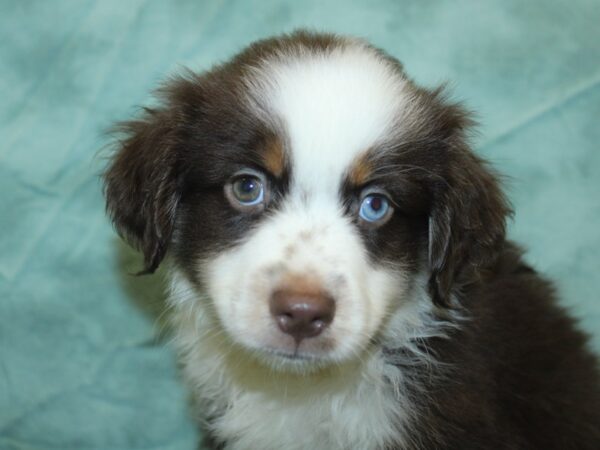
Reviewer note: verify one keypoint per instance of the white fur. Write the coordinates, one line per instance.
(312, 240)
(331, 106)
(361, 404)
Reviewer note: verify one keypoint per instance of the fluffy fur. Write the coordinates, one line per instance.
(442, 338)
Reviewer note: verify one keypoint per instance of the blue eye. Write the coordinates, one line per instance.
(248, 190)
(374, 208)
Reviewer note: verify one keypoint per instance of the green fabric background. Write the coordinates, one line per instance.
(81, 366)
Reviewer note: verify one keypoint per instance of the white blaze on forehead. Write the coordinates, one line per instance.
(333, 105)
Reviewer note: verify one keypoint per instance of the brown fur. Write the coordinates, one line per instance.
(273, 155)
(361, 170)
(518, 374)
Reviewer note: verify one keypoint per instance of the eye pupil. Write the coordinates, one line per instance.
(247, 185)
(247, 190)
(376, 203)
(374, 208)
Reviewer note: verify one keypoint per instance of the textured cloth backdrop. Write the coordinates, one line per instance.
(82, 364)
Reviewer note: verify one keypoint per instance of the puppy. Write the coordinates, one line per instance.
(339, 272)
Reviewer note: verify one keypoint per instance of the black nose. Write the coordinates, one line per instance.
(302, 313)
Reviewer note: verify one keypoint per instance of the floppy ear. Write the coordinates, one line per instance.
(140, 184)
(468, 216)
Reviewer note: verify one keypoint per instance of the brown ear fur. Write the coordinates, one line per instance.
(467, 222)
(140, 185)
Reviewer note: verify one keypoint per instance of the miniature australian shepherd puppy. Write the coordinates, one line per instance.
(339, 272)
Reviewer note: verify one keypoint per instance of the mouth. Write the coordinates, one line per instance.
(292, 356)
(291, 359)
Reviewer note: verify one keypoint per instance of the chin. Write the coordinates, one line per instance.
(339, 271)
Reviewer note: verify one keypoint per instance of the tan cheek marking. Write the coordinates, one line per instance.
(273, 156)
(360, 171)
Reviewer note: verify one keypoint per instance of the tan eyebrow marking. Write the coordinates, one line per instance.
(360, 170)
(273, 155)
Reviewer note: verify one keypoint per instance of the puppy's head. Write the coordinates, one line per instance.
(302, 189)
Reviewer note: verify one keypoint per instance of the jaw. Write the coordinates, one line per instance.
(306, 359)
(211, 360)
(292, 363)
(221, 369)
(199, 329)
(238, 389)
(209, 351)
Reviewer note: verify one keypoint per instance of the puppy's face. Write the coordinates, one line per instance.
(301, 188)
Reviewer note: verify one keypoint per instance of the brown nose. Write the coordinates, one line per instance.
(302, 313)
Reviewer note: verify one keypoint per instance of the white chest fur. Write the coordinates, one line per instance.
(255, 408)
